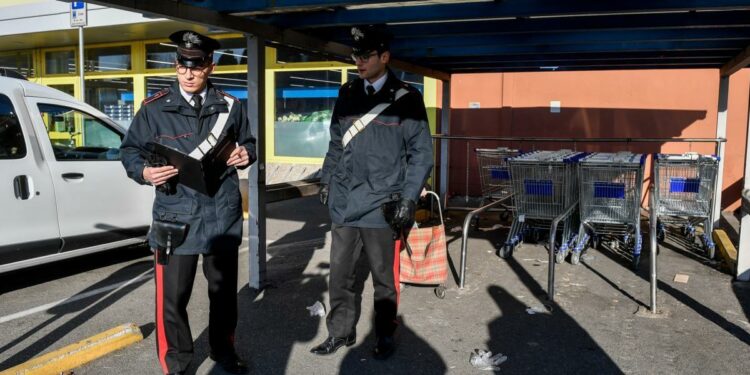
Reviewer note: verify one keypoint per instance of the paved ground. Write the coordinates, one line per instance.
(599, 323)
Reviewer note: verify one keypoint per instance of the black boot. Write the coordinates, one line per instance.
(384, 348)
(230, 362)
(332, 344)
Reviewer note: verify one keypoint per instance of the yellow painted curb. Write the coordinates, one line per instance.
(80, 353)
(726, 248)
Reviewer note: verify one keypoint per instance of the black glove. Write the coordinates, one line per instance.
(405, 213)
(323, 194)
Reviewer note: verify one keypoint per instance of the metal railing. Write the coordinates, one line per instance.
(552, 234)
(465, 236)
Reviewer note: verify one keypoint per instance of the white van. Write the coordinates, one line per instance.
(63, 190)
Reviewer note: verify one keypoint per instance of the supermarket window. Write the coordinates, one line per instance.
(415, 80)
(233, 51)
(113, 96)
(233, 84)
(286, 54)
(21, 62)
(12, 144)
(156, 84)
(160, 55)
(107, 59)
(76, 135)
(60, 62)
(304, 103)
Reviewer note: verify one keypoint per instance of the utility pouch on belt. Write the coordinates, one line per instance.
(168, 235)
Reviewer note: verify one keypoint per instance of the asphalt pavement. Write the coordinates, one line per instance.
(598, 324)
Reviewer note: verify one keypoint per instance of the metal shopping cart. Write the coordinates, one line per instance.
(494, 177)
(611, 185)
(545, 185)
(684, 192)
(494, 173)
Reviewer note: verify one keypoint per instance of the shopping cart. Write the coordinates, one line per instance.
(494, 173)
(610, 196)
(545, 185)
(684, 191)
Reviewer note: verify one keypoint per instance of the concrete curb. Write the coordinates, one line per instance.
(80, 353)
(726, 249)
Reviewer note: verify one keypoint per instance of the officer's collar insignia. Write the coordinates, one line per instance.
(190, 39)
(357, 34)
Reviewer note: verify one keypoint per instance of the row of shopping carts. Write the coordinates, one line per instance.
(608, 188)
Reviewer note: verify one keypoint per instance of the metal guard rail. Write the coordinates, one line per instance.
(465, 237)
(552, 234)
(577, 140)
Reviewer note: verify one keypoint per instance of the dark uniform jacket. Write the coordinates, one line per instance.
(214, 222)
(393, 154)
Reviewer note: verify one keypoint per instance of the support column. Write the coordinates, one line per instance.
(256, 63)
(721, 132)
(445, 119)
(743, 253)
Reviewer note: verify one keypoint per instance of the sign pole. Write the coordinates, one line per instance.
(80, 63)
(79, 19)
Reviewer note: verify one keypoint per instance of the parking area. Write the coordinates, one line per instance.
(599, 323)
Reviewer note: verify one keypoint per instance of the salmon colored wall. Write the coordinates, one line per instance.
(734, 153)
(606, 104)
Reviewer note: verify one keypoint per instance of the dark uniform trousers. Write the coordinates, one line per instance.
(347, 246)
(174, 284)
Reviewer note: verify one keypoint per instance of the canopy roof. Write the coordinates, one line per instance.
(440, 37)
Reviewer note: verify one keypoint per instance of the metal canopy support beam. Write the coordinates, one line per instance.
(497, 10)
(256, 86)
(743, 255)
(721, 132)
(445, 129)
(622, 47)
(738, 62)
(204, 16)
(737, 18)
(576, 37)
(276, 6)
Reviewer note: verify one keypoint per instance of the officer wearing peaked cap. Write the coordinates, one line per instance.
(386, 159)
(182, 117)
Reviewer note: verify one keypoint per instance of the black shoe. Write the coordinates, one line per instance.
(384, 348)
(230, 362)
(332, 344)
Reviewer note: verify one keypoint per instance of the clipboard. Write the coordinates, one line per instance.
(202, 175)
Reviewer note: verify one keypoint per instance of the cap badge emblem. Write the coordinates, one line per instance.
(357, 33)
(190, 38)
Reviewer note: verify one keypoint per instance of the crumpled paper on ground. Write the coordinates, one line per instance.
(317, 309)
(485, 361)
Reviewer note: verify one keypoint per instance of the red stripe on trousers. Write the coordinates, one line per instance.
(397, 271)
(161, 335)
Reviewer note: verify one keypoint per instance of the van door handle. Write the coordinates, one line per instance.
(21, 187)
(72, 176)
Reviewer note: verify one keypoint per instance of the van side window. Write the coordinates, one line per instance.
(12, 144)
(76, 135)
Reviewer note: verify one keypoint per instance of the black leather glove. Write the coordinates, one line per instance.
(323, 194)
(405, 212)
